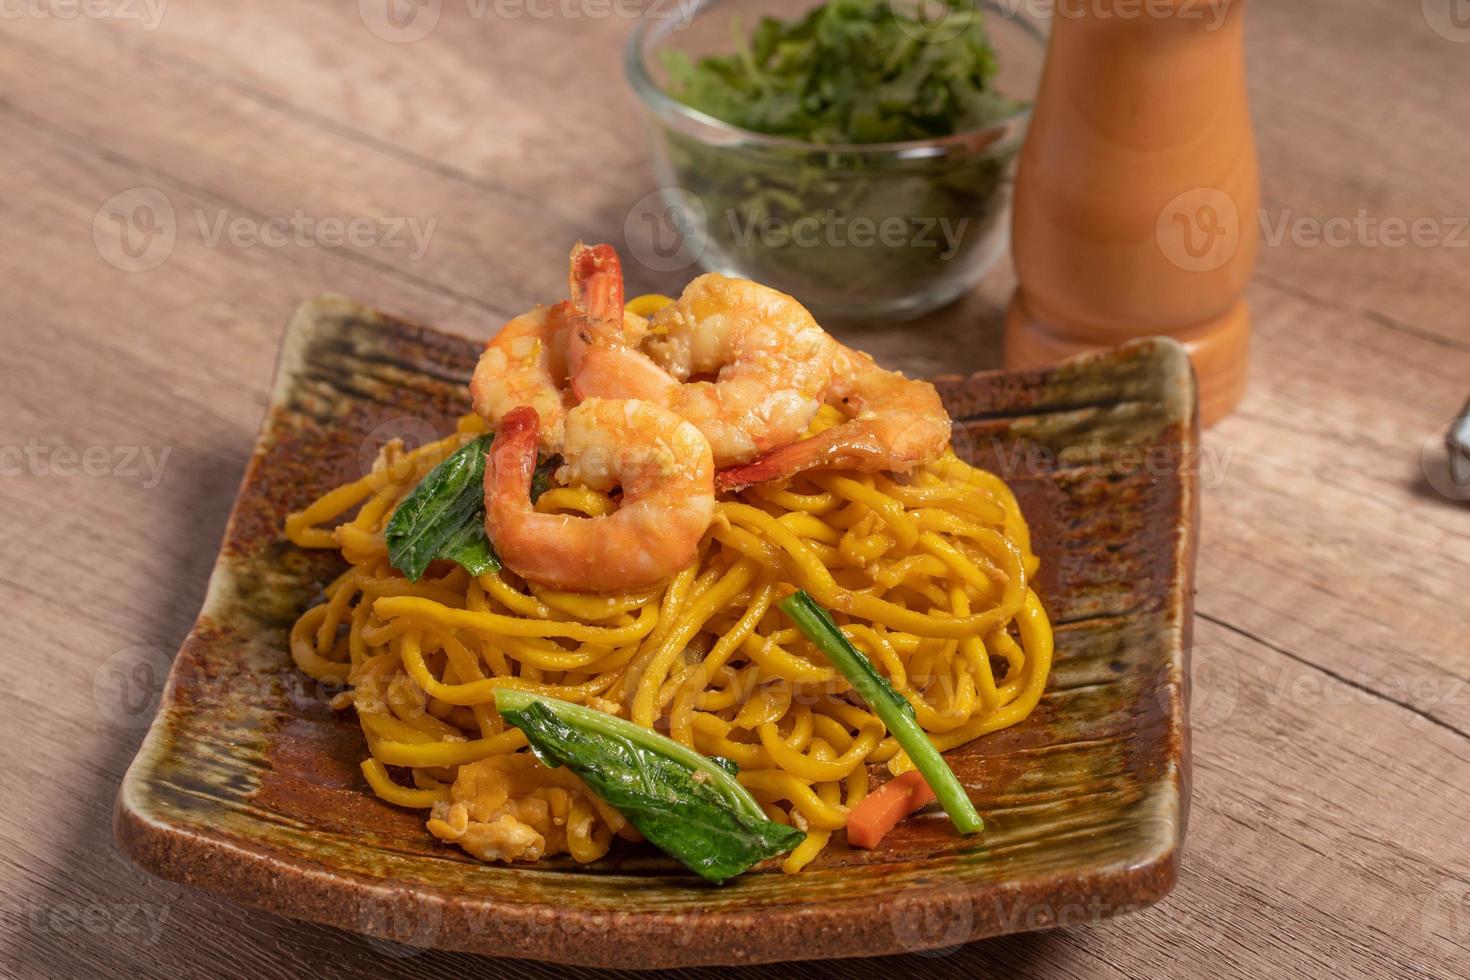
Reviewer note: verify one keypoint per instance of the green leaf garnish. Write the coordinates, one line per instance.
(894, 710)
(848, 72)
(686, 804)
(444, 517)
(851, 71)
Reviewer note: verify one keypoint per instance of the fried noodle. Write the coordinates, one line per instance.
(927, 574)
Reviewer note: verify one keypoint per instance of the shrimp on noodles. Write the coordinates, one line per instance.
(526, 364)
(767, 360)
(895, 423)
(660, 461)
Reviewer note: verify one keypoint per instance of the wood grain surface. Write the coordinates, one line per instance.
(1329, 832)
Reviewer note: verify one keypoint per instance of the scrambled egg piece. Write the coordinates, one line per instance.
(512, 808)
(502, 839)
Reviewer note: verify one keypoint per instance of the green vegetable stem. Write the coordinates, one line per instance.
(894, 710)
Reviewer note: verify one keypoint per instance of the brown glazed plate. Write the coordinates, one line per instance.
(247, 783)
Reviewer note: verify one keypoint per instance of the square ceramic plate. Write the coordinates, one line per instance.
(247, 783)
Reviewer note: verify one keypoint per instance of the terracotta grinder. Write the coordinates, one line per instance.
(1136, 198)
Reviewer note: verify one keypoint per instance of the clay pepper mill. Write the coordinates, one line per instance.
(1136, 193)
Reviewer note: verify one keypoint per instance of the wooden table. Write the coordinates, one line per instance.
(1332, 740)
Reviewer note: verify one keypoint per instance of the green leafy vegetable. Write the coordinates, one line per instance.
(688, 805)
(894, 710)
(851, 71)
(444, 517)
(848, 231)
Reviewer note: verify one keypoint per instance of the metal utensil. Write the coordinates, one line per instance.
(1457, 441)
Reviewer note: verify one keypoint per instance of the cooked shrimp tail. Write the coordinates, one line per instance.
(596, 281)
(664, 468)
(895, 423)
(602, 351)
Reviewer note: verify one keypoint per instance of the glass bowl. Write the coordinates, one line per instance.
(855, 231)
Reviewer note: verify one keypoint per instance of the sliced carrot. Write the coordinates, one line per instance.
(879, 813)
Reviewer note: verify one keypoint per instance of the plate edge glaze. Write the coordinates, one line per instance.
(291, 884)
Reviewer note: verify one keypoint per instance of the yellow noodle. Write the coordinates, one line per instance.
(928, 574)
(383, 784)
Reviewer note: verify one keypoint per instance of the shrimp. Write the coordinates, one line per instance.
(666, 473)
(770, 360)
(526, 364)
(895, 423)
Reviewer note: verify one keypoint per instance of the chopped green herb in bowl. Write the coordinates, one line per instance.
(856, 155)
